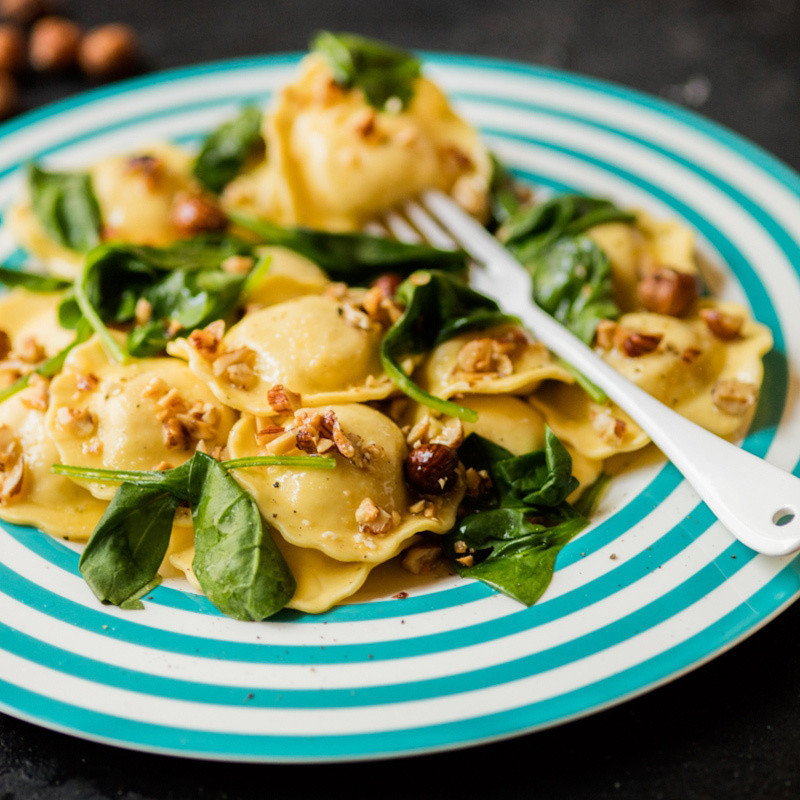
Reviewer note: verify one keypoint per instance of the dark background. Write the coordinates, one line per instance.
(730, 729)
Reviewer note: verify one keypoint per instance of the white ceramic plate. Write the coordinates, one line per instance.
(651, 590)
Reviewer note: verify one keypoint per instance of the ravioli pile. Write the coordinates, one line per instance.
(297, 367)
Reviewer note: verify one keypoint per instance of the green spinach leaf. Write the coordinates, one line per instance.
(121, 559)
(355, 258)
(66, 206)
(183, 283)
(437, 308)
(237, 563)
(225, 150)
(381, 71)
(514, 533)
(236, 560)
(32, 281)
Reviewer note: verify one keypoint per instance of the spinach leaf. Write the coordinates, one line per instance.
(572, 282)
(66, 206)
(571, 275)
(515, 532)
(32, 281)
(225, 150)
(504, 200)
(381, 71)
(437, 308)
(355, 258)
(236, 560)
(237, 563)
(121, 559)
(183, 282)
(533, 228)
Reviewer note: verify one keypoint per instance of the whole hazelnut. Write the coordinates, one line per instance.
(23, 11)
(109, 51)
(196, 213)
(9, 95)
(668, 291)
(431, 468)
(12, 48)
(53, 44)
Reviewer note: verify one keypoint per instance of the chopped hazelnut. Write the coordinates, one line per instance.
(734, 397)
(237, 265)
(283, 400)
(419, 559)
(12, 465)
(143, 312)
(637, 344)
(723, 325)
(5, 344)
(372, 519)
(77, 421)
(174, 434)
(206, 340)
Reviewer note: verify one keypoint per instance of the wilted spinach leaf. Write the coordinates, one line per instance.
(437, 308)
(237, 563)
(182, 282)
(225, 150)
(380, 70)
(122, 557)
(32, 281)
(515, 532)
(571, 275)
(66, 207)
(355, 258)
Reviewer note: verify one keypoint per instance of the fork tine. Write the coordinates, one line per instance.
(401, 229)
(431, 230)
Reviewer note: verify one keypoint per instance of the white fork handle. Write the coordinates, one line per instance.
(756, 501)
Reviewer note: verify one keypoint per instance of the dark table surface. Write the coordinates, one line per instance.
(730, 729)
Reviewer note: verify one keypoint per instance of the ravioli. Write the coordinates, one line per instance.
(496, 361)
(135, 193)
(322, 581)
(141, 415)
(305, 345)
(289, 276)
(686, 369)
(320, 509)
(636, 248)
(51, 502)
(33, 316)
(334, 161)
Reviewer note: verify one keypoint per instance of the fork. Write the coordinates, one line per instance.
(755, 500)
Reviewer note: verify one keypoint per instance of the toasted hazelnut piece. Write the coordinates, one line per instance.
(23, 12)
(419, 559)
(479, 483)
(109, 51)
(12, 465)
(667, 291)
(5, 344)
(196, 213)
(53, 44)
(174, 434)
(723, 325)
(237, 265)
(734, 397)
(637, 344)
(387, 284)
(282, 399)
(9, 95)
(207, 340)
(143, 312)
(372, 519)
(605, 334)
(12, 48)
(431, 468)
(76, 421)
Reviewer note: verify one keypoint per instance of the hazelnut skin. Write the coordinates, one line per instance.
(109, 51)
(431, 468)
(195, 213)
(12, 48)
(53, 44)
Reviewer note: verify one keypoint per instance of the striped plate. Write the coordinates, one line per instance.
(654, 588)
